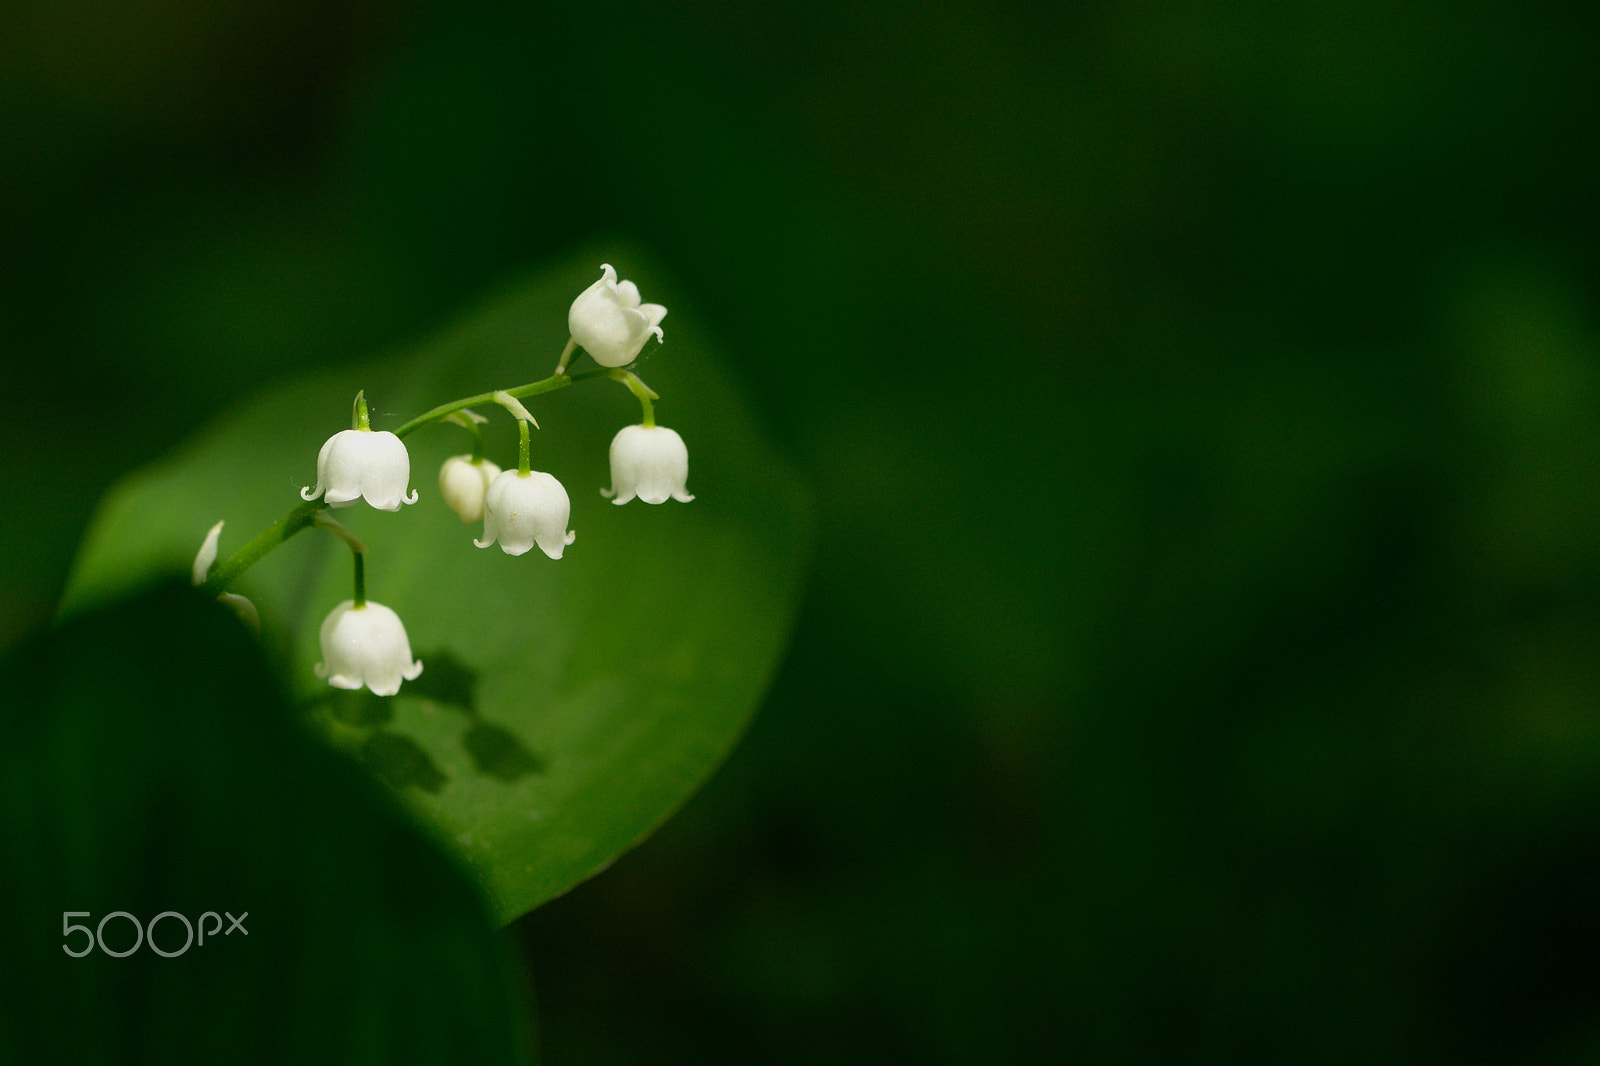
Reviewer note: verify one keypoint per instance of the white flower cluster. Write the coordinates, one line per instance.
(364, 643)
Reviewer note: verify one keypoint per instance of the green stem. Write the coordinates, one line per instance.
(360, 597)
(324, 520)
(566, 354)
(259, 545)
(358, 412)
(522, 449)
(469, 422)
(641, 392)
(537, 388)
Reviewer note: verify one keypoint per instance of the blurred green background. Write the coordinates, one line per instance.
(1200, 402)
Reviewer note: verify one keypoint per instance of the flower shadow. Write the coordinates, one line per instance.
(401, 761)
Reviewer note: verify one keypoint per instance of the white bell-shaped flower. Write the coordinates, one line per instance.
(363, 463)
(463, 481)
(610, 323)
(650, 462)
(366, 645)
(521, 510)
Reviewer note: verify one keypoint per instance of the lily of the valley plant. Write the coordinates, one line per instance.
(364, 643)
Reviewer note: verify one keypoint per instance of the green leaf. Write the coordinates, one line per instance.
(152, 772)
(566, 707)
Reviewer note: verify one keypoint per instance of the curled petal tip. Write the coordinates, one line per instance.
(308, 495)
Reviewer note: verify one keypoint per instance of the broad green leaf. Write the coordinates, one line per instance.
(145, 787)
(565, 707)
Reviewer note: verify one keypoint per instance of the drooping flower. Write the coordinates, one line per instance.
(363, 463)
(650, 462)
(366, 645)
(463, 481)
(236, 603)
(610, 323)
(521, 510)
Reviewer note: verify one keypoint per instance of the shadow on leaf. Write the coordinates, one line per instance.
(359, 709)
(497, 752)
(401, 761)
(446, 680)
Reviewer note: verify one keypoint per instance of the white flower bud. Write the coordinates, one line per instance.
(610, 323)
(366, 645)
(463, 482)
(243, 608)
(520, 510)
(650, 462)
(363, 463)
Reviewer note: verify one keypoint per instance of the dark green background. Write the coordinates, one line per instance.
(1202, 407)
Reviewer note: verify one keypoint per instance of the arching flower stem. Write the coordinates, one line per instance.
(536, 388)
(324, 520)
(304, 515)
(641, 392)
(469, 420)
(566, 354)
